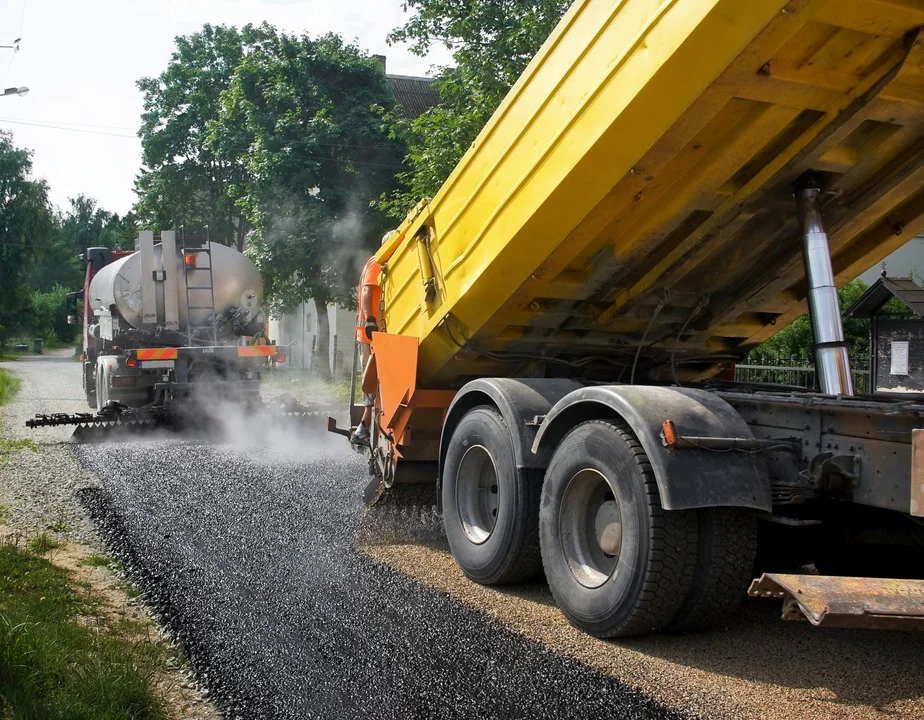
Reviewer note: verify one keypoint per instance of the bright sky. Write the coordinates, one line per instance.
(81, 58)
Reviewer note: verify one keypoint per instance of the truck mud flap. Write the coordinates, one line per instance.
(847, 602)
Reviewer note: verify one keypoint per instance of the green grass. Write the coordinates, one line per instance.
(9, 386)
(297, 381)
(9, 446)
(96, 560)
(8, 354)
(42, 543)
(59, 526)
(53, 667)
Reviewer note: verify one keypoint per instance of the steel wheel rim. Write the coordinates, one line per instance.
(477, 494)
(590, 528)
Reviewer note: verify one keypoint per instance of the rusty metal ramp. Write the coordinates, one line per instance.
(852, 602)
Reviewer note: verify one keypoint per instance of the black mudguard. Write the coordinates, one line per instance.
(687, 478)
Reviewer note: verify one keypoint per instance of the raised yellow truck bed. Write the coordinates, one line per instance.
(636, 187)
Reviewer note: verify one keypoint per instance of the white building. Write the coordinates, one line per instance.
(299, 330)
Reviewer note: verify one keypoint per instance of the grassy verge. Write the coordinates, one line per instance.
(54, 661)
(7, 352)
(302, 383)
(9, 386)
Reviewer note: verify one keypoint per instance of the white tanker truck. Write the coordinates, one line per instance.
(167, 326)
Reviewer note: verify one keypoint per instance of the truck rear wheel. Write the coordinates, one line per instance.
(727, 548)
(490, 510)
(616, 562)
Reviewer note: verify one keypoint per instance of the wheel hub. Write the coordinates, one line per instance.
(477, 494)
(608, 528)
(590, 528)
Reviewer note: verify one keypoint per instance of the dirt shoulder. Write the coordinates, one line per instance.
(755, 666)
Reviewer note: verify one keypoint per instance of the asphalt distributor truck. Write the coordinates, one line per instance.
(168, 329)
(666, 186)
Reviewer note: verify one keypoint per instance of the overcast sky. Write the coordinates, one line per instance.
(81, 58)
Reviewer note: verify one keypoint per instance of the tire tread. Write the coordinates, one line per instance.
(674, 535)
(725, 562)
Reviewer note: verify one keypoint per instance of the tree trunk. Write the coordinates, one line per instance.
(323, 359)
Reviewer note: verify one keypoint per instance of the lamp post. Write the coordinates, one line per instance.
(22, 90)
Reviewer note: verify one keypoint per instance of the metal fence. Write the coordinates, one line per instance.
(797, 372)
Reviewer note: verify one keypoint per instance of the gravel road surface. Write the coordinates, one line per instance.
(38, 489)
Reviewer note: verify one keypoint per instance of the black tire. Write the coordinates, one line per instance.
(508, 550)
(652, 568)
(727, 547)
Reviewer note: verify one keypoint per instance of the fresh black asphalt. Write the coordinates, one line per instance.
(248, 556)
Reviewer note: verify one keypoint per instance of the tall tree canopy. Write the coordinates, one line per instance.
(185, 182)
(319, 153)
(84, 224)
(318, 150)
(492, 43)
(26, 225)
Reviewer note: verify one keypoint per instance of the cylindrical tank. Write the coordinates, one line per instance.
(235, 279)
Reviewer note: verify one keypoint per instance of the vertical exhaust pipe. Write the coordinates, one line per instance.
(832, 362)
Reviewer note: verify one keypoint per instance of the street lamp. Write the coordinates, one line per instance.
(22, 90)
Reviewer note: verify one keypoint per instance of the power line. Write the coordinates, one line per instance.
(66, 123)
(70, 129)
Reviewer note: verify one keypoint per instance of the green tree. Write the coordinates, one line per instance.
(26, 225)
(185, 181)
(319, 150)
(794, 343)
(47, 317)
(84, 224)
(492, 43)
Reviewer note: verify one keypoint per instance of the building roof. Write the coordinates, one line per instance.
(414, 95)
(883, 290)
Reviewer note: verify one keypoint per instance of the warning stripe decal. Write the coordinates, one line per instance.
(256, 351)
(157, 354)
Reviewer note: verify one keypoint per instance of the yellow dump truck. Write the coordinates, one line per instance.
(668, 184)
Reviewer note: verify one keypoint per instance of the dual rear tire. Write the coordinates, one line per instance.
(617, 563)
(490, 508)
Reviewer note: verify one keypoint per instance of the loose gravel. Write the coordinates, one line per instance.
(38, 488)
(39, 492)
(248, 555)
(755, 665)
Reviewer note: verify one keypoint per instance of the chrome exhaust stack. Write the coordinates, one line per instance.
(832, 362)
